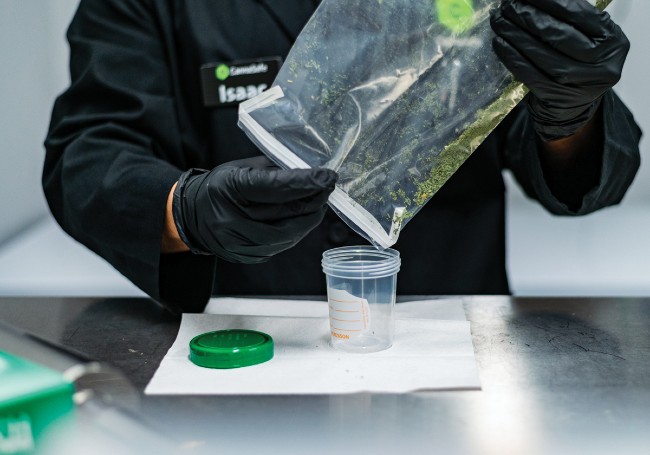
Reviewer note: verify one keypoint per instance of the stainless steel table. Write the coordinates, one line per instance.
(559, 375)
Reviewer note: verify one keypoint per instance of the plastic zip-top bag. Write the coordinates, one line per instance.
(394, 95)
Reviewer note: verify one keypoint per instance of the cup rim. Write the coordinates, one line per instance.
(388, 252)
(380, 262)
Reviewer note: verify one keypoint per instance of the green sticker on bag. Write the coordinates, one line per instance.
(456, 15)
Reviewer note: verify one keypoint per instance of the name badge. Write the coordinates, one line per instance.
(230, 83)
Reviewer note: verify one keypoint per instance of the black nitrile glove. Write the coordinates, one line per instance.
(566, 52)
(248, 210)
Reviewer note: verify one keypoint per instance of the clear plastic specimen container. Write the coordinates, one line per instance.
(361, 283)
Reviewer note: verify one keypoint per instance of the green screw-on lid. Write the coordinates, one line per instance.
(231, 348)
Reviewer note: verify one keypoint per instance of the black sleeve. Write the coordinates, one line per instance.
(620, 158)
(114, 150)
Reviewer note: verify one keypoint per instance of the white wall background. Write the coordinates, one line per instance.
(607, 253)
(33, 68)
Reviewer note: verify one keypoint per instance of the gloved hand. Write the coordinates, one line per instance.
(248, 210)
(566, 52)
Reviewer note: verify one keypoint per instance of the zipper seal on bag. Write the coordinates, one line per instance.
(363, 219)
(261, 136)
(262, 100)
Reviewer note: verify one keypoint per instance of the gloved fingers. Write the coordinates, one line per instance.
(558, 67)
(256, 162)
(517, 21)
(523, 70)
(579, 13)
(239, 242)
(545, 112)
(275, 212)
(255, 253)
(302, 225)
(278, 186)
(277, 236)
(246, 251)
(238, 258)
(539, 83)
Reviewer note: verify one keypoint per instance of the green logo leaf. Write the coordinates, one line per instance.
(456, 15)
(222, 72)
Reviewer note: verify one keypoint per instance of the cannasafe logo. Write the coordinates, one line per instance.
(229, 94)
(222, 72)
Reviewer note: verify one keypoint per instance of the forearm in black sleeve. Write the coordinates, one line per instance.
(114, 146)
(618, 161)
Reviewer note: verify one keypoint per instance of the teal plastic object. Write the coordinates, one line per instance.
(32, 398)
(231, 348)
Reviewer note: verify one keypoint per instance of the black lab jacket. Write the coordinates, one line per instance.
(133, 120)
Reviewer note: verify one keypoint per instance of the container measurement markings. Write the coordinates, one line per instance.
(349, 315)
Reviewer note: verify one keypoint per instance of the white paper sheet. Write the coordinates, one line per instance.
(427, 354)
(449, 309)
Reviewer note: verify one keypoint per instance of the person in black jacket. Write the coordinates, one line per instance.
(163, 185)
